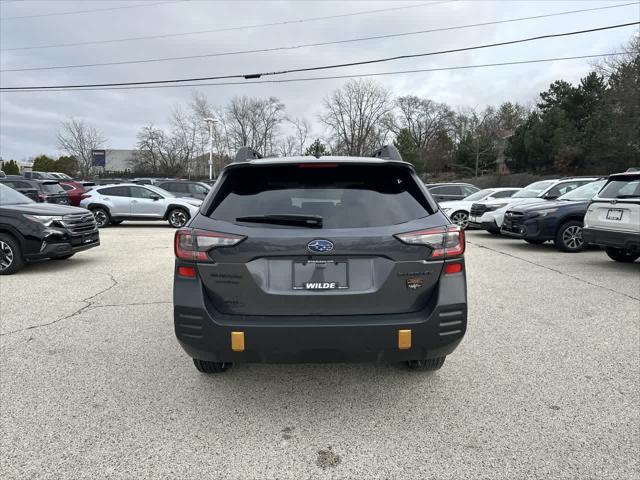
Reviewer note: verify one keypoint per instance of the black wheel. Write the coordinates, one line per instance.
(621, 255)
(64, 257)
(460, 218)
(178, 217)
(428, 364)
(534, 241)
(116, 222)
(211, 367)
(10, 255)
(569, 237)
(102, 217)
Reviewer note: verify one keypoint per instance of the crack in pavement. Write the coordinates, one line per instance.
(81, 310)
(554, 270)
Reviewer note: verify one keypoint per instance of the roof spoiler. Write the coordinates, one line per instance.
(246, 154)
(388, 152)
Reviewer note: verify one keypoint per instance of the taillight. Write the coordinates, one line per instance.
(192, 244)
(446, 242)
(84, 195)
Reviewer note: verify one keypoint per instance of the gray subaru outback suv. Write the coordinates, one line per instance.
(305, 259)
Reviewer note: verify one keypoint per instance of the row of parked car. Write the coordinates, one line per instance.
(570, 212)
(40, 218)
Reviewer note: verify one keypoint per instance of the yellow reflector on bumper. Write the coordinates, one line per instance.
(404, 339)
(237, 341)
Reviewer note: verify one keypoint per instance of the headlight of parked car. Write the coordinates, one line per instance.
(45, 220)
(544, 213)
(497, 206)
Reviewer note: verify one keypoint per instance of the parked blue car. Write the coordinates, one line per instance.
(560, 220)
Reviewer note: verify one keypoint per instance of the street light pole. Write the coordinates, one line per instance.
(210, 121)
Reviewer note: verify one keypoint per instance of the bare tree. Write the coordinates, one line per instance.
(354, 116)
(424, 120)
(78, 140)
(172, 152)
(288, 146)
(254, 122)
(302, 128)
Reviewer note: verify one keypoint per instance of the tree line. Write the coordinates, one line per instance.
(592, 127)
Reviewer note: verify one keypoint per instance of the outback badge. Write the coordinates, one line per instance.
(414, 283)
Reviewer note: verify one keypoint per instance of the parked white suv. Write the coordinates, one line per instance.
(489, 215)
(111, 204)
(613, 217)
(458, 210)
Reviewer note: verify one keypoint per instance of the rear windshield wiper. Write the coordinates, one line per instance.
(311, 221)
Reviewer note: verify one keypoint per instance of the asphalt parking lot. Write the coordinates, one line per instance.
(546, 382)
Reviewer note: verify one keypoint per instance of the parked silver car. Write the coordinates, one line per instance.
(111, 204)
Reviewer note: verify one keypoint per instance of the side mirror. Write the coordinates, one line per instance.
(551, 196)
(155, 197)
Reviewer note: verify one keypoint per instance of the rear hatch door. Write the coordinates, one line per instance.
(350, 264)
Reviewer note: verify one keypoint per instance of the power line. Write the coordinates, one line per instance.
(333, 77)
(317, 44)
(56, 14)
(230, 29)
(251, 76)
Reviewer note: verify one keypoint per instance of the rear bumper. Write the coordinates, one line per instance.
(607, 238)
(435, 331)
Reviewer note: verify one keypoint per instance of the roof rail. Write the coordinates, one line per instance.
(246, 154)
(389, 152)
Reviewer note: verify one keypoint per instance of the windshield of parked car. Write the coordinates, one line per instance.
(479, 195)
(340, 196)
(9, 196)
(621, 189)
(533, 190)
(585, 192)
(160, 191)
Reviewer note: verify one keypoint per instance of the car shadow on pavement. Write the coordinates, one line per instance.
(57, 266)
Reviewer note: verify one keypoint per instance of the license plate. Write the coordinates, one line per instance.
(320, 275)
(614, 214)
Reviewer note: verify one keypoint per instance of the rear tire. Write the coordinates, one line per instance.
(178, 217)
(621, 255)
(116, 222)
(102, 217)
(11, 259)
(428, 364)
(534, 241)
(569, 237)
(204, 366)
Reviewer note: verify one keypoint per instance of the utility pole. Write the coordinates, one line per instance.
(210, 121)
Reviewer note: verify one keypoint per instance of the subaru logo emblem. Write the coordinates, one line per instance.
(320, 246)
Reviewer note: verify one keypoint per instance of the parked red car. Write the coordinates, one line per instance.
(74, 190)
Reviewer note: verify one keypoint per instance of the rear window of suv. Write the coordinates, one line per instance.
(621, 189)
(345, 196)
(52, 187)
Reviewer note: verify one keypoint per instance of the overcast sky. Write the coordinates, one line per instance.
(28, 121)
